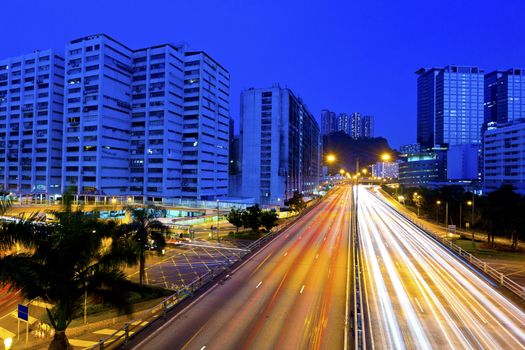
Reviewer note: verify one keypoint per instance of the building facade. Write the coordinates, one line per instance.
(157, 122)
(504, 156)
(449, 106)
(206, 127)
(422, 168)
(386, 170)
(97, 116)
(280, 146)
(361, 126)
(344, 123)
(31, 119)
(463, 163)
(152, 122)
(328, 122)
(410, 148)
(504, 95)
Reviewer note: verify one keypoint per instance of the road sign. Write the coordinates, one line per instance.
(23, 312)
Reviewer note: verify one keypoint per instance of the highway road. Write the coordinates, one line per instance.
(421, 296)
(291, 295)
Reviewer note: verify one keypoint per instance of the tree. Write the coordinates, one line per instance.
(502, 214)
(144, 232)
(234, 217)
(64, 262)
(296, 203)
(251, 218)
(269, 219)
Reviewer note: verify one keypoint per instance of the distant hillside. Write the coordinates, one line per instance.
(347, 150)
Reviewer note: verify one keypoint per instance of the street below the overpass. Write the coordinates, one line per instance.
(292, 294)
(419, 295)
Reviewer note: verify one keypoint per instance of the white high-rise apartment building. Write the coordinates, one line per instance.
(157, 121)
(504, 156)
(31, 114)
(206, 127)
(97, 116)
(110, 120)
(280, 146)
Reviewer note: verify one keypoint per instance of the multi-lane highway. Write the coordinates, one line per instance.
(291, 295)
(421, 296)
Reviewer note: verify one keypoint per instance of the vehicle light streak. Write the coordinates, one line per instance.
(406, 270)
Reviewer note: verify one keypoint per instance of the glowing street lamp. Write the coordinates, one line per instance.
(385, 157)
(364, 171)
(330, 158)
(7, 343)
(342, 171)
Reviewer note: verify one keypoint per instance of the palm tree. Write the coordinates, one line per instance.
(144, 232)
(64, 262)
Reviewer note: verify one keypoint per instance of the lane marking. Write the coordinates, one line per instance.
(204, 347)
(302, 288)
(419, 305)
(285, 254)
(258, 285)
(316, 256)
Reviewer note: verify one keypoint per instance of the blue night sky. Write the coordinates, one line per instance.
(341, 55)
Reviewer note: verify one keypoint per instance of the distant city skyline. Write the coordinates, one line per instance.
(374, 50)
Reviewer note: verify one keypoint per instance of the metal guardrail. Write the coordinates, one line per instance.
(358, 328)
(122, 335)
(497, 276)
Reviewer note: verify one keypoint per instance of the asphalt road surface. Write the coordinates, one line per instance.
(290, 295)
(421, 296)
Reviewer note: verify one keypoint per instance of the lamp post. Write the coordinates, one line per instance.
(416, 198)
(330, 159)
(218, 227)
(460, 216)
(471, 204)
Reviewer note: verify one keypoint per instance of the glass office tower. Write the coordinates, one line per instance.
(450, 106)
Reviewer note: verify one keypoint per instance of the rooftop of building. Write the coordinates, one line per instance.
(451, 68)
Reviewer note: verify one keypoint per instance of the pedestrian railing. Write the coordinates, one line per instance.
(121, 336)
(497, 276)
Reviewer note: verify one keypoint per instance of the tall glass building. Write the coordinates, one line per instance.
(449, 106)
(504, 95)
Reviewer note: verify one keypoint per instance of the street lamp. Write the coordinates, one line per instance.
(446, 212)
(471, 204)
(330, 158)
(364, 171)
(218, 228)
(401, 198)
(342, 171)
(385, 157)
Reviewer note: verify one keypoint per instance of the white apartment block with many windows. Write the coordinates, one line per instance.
(504, 156)
(31, 115)
(97, 116)
(152, 122)
(157, 121)
(206, 128)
